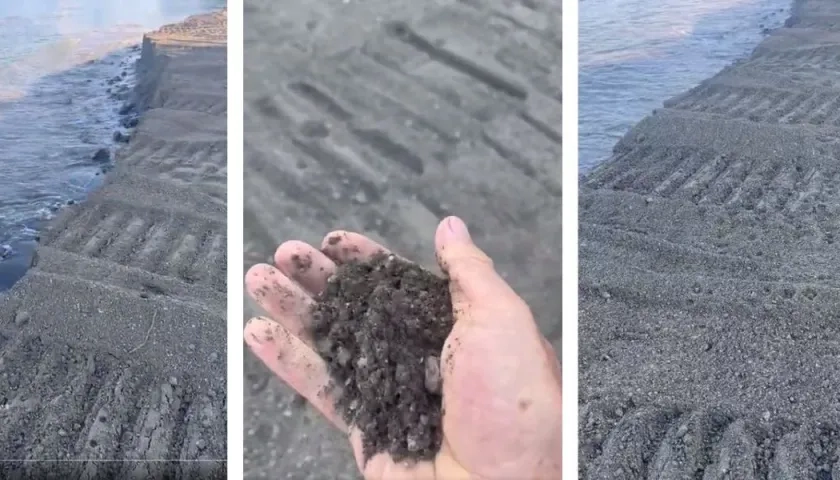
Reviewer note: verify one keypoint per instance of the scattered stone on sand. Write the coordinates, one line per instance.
(380, 326)
(126, 109)
(130, 122)
(102, 155)
(21, 317)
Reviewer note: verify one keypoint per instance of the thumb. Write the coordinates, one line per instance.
(473, 280)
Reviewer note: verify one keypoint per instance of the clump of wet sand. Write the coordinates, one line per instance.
(380, 325)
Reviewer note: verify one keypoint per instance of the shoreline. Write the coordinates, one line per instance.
(124, 305)
(620, 86)
(707, 283)
(17, 250)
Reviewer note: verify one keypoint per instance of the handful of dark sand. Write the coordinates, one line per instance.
(380, 326)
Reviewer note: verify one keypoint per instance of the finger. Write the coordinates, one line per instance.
(447, 467)
(376, 466)
(294, 362)
(553, 359)
(370, 469)
(281, 298)
(304, 264)
(472, 277)
(343, 247)
(382, 465)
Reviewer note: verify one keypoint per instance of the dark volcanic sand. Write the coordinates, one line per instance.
(709, 282)
(380, 326)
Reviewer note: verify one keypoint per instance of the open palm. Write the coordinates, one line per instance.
(501, 379)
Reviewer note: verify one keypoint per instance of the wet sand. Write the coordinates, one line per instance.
(384, 117)
(709, 344)
(111, 346)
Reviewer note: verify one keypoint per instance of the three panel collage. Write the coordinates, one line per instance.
(417, 299)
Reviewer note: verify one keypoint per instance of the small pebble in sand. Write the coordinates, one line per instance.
(433, 377)
(21, 318)
(102, 155)
(343, 356)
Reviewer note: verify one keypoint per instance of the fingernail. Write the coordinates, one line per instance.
(458, 229)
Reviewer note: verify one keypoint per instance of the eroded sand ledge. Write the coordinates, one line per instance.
(709, 338)
(112, 347)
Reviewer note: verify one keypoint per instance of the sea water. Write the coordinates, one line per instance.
(635, 54)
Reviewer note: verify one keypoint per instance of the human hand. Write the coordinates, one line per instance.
(501, 378)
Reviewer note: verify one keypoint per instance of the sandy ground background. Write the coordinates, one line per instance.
(384, 117)
(709, 341)
(112, 345)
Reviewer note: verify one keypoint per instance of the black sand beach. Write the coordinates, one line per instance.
(111, 346)
(384, 117)
(709, 339)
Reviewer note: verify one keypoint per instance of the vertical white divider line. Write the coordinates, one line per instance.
(235, 244)
(570, 239)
